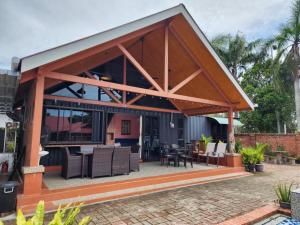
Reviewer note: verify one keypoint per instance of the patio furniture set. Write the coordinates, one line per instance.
(106, 160)
(191, 152)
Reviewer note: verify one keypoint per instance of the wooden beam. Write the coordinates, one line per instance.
(185, 81)
(196, 61)
(136, 98)
(166, 58)
(140, 68)
(124, 78)
(122, 87)
(111, 104)
(27, 76)
(102, 47)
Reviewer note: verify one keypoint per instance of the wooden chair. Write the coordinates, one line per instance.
(219, 153)
(72, 164)
(187, 155)
(100, 162)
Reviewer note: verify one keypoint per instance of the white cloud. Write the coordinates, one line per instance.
(33, 25)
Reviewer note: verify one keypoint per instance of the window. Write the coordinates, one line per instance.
(125, 127)
(72, 125)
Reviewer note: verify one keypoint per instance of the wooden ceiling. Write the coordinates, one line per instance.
(212, 83)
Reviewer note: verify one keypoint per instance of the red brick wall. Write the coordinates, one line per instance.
(290, 142)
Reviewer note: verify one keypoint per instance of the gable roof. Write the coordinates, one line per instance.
(60, 52)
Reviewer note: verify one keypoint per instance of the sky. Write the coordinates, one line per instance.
(31, 26)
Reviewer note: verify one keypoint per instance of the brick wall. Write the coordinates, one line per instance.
(290, 142)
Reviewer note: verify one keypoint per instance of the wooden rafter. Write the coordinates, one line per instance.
(136, 98)
(122, 87)
(139, 67)
(196, 61)
(112, 104)
(185, 81)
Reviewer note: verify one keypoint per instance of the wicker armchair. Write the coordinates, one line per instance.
(72, 164)
(135, 158)
(120, 161)
(100, 162)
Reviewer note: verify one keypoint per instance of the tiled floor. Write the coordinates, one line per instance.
(209, 203)
(55, 181)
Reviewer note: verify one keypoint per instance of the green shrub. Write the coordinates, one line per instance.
(238, 146)
(63, 216)
(249, 156)
(283, 192)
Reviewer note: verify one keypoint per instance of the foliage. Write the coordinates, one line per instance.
(260, 152)
(63, 216)
(249, 156)
(253, 156)
(206, 139)
(236, 52)
(268, 151)
(283, 192)
(238, 146)
(10, 146)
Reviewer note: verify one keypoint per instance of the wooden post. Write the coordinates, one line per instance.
(32, 171)
(124, 79)
(166, 63)
(231, 140)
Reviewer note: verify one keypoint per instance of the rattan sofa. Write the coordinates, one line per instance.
(72, 164)
(100, 163)
(120, 160)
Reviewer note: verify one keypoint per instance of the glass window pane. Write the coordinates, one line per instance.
(73, 90)
(64, 125)
(51, 121)
(91, 92)
(76, 124)
(86, 128)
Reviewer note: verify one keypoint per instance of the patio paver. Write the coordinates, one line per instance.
(209, 203)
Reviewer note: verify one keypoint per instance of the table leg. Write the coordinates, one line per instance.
(82, 166)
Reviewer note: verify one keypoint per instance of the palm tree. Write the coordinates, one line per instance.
(236, 52)
(288, 45)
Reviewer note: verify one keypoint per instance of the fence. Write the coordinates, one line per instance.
(290, 142)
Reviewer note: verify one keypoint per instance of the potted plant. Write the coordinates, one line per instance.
(297, 160)
(204, 141)
(259, 154)
(238, 146)
(249, 158)
(283, 192)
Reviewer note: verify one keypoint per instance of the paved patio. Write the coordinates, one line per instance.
(54, 180)
(201, 204)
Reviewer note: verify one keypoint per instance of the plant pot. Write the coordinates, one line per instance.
(250, 168)
(259, 167)
(285, 205)
(297, 161)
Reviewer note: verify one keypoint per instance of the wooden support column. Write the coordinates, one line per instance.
(230, 130)
(124, 79)
(166, 63)
(32, 171)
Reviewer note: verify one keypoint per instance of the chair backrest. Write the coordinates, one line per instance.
(102, 153)
(210, 148)
(121, 153)
(221, 148)
(135, 148)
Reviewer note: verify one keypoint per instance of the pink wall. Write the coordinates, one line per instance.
(115, 126)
